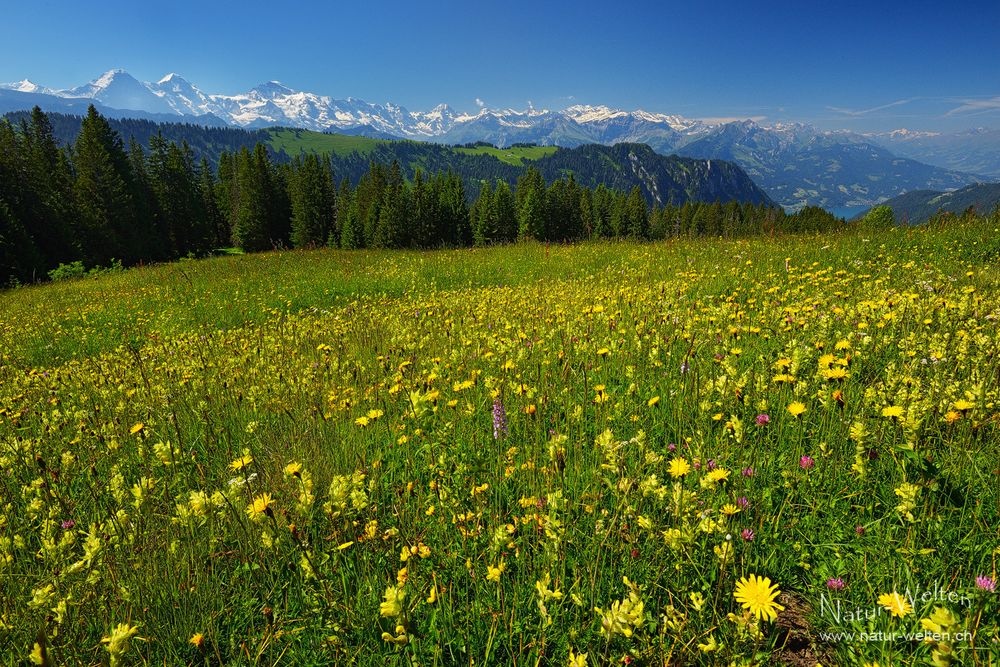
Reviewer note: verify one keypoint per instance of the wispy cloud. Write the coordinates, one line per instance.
(972, 106)
(480, 103)
(865, 112)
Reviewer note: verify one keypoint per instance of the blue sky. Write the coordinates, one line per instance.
(855, 65)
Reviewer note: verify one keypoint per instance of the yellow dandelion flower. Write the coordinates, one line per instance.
(796, 408)
(679, 467)
(293, 469)
(758, 595)
(650, 403)
(718, 475)
(952, 416)
(892, 412)
(895, 604)
(261, 505)
(197, 639)
(137, 428)
(963, 405)
(242, 462)
(577, 659)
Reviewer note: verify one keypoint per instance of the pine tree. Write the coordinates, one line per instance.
(504, 208)
(102, 192)
(481, 216)
(312, 202)
(531, 220)
(155, 241)
(343, 206)
(49, 187)
(637, 215)
(251, 223)
(218, 232)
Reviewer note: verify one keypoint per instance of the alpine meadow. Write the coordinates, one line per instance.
(649, 335)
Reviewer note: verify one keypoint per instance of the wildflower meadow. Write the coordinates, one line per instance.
(736, 452)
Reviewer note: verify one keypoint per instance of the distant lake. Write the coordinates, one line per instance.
(848, 212)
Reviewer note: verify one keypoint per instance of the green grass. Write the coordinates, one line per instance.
(249, 449)
(512, 156)
(294, 142)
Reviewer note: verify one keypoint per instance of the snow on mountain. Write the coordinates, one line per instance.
(25, 86)
(273, 103)
(118, 89)
(183, 97)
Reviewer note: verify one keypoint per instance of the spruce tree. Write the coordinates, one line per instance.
(102, 193)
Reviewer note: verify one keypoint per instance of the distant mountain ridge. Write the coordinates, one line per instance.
(662, 179)
(920, 206)
(975, 151)
(796, 164)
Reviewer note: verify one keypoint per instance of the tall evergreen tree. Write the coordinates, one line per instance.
(504, 207)
(102, 192)
(251, 216)
(311, 197)
(637, 215)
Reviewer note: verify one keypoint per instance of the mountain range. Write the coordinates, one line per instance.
(796, 164)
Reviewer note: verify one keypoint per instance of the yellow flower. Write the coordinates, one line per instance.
(577, 659)
(758, 595)
(392, 605)
(137, 428)
(362, 421)
(892, 412)
(838, 373)
(796, 408)
(952, 416)
(260, 505)
(493, 572)
(651, 403)
(963, 405)
(37, 656)
(718, 475)
(895, 604)
(242, 462)
(197, 639)
(679, 467)
(118, 641)
(293, 469)
(709, 646)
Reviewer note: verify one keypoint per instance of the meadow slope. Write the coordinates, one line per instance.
(577, 455)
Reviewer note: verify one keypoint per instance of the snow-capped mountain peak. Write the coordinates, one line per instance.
(272, 89)
(273, 103)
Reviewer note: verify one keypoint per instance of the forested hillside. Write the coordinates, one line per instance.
(100, 202)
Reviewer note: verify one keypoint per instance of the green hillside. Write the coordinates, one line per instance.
(515, 156)
(921, 205)
(293, 142)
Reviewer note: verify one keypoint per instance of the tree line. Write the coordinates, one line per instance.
(98, 201)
